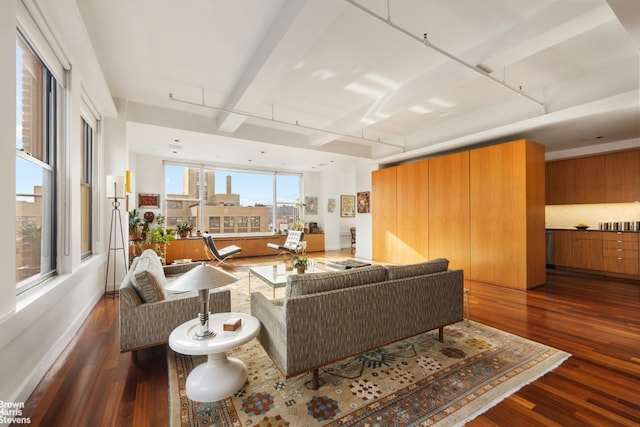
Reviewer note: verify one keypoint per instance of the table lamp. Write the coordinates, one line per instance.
(201, 279)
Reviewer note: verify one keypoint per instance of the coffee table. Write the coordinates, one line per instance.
(220, 376)
(276, 275)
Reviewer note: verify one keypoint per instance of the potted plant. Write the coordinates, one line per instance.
(184, 229)
(134, 225)
(300, 260)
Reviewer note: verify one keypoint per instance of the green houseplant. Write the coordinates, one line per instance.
(134, 224)
(184, 229)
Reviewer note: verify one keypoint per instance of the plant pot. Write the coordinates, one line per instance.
(300, 270)
(184, 234)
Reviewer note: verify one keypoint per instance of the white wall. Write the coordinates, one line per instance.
(36, 326)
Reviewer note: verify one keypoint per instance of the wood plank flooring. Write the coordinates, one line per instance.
(596, 320)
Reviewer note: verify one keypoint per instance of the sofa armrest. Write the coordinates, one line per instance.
(273, 332)
(151, 323)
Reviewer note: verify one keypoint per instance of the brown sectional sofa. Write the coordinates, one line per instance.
(148, 312)
(326, 317)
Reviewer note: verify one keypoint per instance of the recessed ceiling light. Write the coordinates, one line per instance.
(599, 137)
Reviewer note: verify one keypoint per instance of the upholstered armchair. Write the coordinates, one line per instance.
(148, 312)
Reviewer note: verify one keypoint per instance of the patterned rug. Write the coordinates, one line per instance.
(417, 381)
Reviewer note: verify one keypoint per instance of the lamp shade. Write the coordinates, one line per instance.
(115, 187)
(203, 276)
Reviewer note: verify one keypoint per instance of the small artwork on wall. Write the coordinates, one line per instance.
(363, 202)
(331, 205)
(347, 206)
(312, 205)
(149, 200)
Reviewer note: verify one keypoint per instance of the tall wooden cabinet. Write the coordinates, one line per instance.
(384, 215)
(507, 214)
(482, 209)
(412, 205)
(449, 209)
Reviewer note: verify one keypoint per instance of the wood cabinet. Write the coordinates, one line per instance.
(189, 248)
(586, 250)
(507, 238)
(622, 176)
(384, 215)
(620, 252)
(412, 205)
(559, 183)
(613, 253)
(194, 248)
(449, 209)
(606, 178)
(482, 209)
(589, 183)
(562, 248)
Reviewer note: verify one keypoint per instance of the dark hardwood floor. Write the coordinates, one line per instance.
(596, 320)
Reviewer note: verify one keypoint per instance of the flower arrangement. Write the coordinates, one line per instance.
(300, 260)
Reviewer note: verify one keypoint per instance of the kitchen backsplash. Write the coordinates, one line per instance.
(567, 216)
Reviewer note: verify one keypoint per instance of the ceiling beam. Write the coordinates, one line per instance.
(298, 26)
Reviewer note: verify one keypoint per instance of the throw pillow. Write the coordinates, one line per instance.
(429, 267)
(148, 278)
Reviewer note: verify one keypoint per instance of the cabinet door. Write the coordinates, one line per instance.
(383, 215)
(449, 210)
(412, 212)
(622, 176)
(562, 248)
(559, 183)
(587, 250)
(589, 179)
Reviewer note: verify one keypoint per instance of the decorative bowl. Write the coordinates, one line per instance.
(582, 227)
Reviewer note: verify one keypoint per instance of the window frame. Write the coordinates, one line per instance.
(48, 165)
(204, 223)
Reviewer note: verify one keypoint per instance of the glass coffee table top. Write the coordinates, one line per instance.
(276, 275)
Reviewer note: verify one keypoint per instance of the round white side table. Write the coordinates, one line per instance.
(220, 376)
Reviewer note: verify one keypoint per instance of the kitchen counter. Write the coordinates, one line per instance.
(592, 229)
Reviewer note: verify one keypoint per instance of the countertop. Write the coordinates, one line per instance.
(592, 229)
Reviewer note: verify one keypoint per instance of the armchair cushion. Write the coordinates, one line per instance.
(428, 267)
(148, 277)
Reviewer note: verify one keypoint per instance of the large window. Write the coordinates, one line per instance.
(86, 178)
(36, 122)
(232, 201)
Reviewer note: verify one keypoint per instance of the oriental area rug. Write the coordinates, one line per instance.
(416, 381)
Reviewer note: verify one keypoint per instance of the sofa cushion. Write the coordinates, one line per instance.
(428, 267)
(311, 283)
(148, 277)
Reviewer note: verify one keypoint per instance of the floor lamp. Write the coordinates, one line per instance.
(115, 191)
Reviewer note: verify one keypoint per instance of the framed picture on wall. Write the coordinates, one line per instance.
(347, 206)
(312, 205)
(363, 202)
(149, 200)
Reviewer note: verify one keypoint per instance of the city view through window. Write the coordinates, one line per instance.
(227, 202)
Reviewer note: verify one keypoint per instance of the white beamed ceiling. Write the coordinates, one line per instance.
(329, 65)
